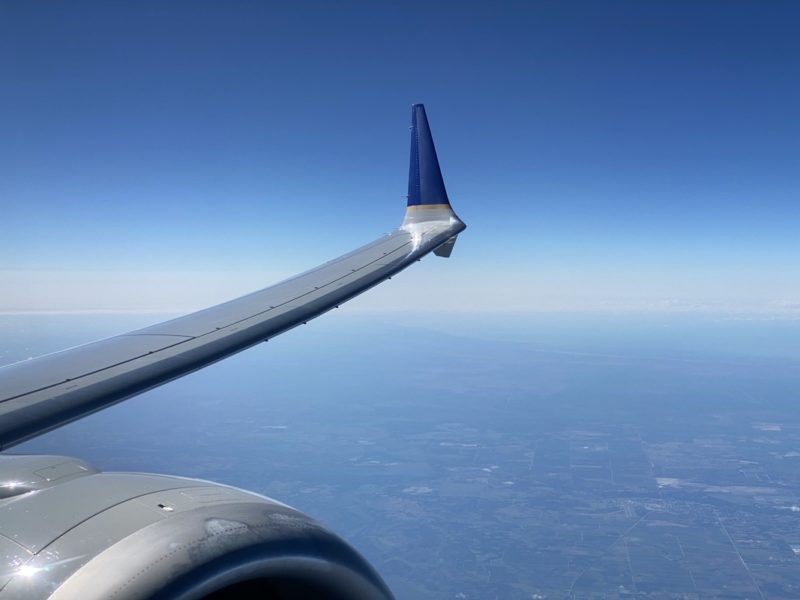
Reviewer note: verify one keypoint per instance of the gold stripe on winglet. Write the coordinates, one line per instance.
(428, 206)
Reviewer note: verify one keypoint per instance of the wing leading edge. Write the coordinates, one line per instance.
(44, 393)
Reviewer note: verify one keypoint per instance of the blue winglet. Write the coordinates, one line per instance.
(425, 183)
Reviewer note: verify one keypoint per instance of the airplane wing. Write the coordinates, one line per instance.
(41, 394)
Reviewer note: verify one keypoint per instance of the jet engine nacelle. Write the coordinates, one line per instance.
(68, 531)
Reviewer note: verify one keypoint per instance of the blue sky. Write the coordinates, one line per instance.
(613, 156)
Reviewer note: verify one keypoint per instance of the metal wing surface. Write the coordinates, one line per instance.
(43, 393)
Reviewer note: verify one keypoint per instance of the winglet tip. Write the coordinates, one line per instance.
(425, 182)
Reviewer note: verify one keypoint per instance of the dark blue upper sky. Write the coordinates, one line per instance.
(615, 155)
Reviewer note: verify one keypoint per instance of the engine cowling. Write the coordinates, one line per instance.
(68, 531)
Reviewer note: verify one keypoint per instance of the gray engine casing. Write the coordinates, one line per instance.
(68, 531)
